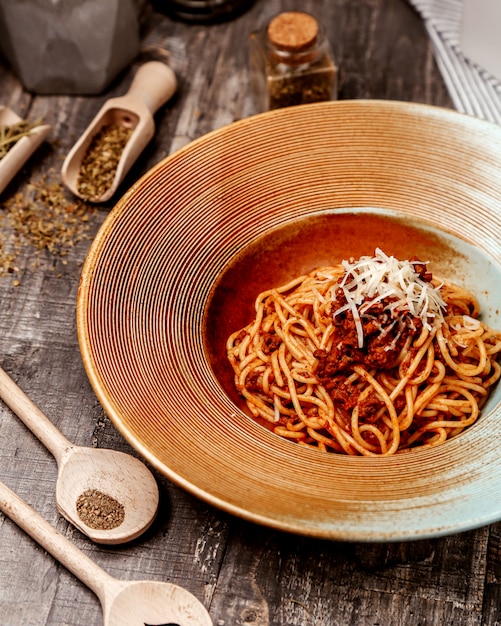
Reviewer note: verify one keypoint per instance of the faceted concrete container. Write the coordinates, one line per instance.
(68, 46)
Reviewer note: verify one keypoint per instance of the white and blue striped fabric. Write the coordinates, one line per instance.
(472, 89)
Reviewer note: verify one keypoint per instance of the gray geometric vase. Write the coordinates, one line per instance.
(68, 46)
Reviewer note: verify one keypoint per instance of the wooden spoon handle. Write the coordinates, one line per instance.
(32, 417)
(56, 544)
(154, 83)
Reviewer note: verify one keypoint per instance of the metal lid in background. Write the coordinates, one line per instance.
(202, 11)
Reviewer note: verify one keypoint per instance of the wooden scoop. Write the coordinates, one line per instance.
(152, 86)
(17, 156)
(115, 474)
(135, 603)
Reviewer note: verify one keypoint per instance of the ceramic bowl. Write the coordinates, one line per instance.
(179, 261)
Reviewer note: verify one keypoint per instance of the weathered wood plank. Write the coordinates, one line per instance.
(282, 579)
(247, 575)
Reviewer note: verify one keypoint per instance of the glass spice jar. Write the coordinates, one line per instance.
(291, 62)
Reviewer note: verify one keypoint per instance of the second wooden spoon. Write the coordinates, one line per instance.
(80, 469)
(124, 603)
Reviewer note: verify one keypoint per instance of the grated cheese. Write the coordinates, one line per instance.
(470, 323)
(371, 280)
(276, 409)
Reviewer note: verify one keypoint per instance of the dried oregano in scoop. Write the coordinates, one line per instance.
(100, 161)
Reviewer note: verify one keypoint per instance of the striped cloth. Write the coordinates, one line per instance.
(472, 89)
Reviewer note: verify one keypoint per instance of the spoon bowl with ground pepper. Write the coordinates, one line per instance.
(117, 135)
(108, 495)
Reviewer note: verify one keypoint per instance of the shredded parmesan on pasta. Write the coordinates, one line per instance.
(471, 323)
(371, 280)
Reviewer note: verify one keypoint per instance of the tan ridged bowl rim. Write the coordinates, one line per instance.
(149, 272)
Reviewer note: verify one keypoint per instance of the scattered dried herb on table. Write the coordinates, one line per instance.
(100, 161)
(41, 217)
(99, 511)
(11, 134)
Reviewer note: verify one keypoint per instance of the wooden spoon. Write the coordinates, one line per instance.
(152, 86)
(115, 474)
(135, 603)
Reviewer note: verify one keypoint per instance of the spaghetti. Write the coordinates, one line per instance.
(369, 357)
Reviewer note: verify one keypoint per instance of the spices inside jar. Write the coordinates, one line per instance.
(100, 511)
(291, 62)
(100, 161)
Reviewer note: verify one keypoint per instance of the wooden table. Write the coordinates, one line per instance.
(245, 574)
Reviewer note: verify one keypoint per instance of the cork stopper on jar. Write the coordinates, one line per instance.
(293, 31)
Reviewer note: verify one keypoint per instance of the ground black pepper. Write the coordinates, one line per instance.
(100, 511)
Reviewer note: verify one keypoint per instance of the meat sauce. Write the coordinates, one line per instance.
(384, 338)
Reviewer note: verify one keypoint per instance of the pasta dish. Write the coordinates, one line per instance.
(370, 357)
